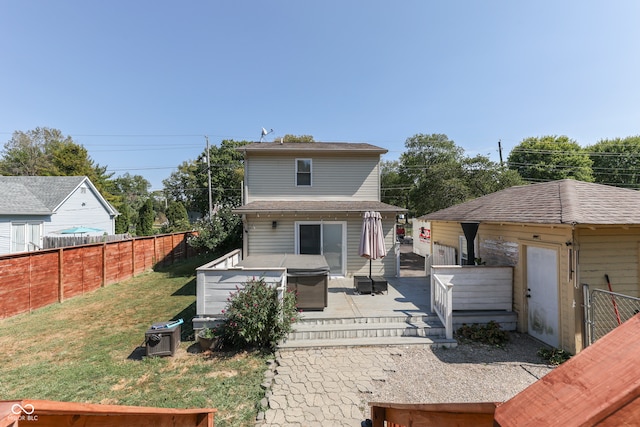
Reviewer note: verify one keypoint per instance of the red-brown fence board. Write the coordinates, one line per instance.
(44, 274)
(31, 280)
(144, 255)
(92, 267)
(119, 262)
(72, 261)
(14, 286)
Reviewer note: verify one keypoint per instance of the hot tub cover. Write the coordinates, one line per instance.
(296, 265)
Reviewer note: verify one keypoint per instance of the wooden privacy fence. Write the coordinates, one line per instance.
(32, 280)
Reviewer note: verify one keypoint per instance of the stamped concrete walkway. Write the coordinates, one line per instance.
(324, 387)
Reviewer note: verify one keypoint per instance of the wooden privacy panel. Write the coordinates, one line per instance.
(144, 255)
(14, 286)
(31, 280)
(43, 279)
(119, 262)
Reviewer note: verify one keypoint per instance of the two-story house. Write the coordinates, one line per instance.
(310, 198)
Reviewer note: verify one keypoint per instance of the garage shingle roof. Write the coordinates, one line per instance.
(558, 202)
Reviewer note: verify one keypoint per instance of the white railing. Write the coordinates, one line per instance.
(442, 303)
(218, 279)
(226, 261)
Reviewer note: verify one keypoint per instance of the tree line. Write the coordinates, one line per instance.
(431, 174)
(434, 173)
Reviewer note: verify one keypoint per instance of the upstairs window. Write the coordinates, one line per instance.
(303, 172)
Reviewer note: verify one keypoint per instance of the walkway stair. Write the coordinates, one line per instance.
(399, 329)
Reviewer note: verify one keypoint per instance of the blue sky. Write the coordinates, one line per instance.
(140, 83)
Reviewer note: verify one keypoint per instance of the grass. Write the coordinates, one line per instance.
(89, 349)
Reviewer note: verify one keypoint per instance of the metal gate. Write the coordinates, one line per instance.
(604, 311)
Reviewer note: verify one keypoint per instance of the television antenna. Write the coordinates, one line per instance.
(264, 133)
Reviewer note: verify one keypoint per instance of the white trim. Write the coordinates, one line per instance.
(28, 243)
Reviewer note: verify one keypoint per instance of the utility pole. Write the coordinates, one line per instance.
(500, 150)
(209, 178)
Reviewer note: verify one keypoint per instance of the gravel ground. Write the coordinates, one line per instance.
(469, 373)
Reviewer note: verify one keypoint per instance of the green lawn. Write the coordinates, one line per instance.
(88, 349)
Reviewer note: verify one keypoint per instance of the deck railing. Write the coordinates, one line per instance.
(442, 303)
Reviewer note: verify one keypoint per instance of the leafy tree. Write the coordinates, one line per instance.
(616, 161)
(295, 138)
(189, 184)
(177, 218)
(132, 192)
(550, 158)
(123, 221)
(394, 185)
(434, 173)
(219, 233)
(146, 217)
(47, 152)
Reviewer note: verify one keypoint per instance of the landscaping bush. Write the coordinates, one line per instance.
(554, 356)
(491, 333)
(256, 318)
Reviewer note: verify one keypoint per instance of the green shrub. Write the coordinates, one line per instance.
(491, 333)
(554, 356)
(255, 317)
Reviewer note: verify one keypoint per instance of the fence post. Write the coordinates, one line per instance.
(104, 265)
(60, 274)
(587, 315)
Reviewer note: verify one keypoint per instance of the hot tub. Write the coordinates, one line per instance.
(307, 276)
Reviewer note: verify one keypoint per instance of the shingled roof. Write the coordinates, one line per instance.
(315, 206)
(557, 202)
(317, 147)
(37, 195)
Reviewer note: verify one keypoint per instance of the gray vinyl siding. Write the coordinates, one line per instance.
(333, 178)
(261, 238)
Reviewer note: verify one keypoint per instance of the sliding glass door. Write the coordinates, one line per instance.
(323, 238)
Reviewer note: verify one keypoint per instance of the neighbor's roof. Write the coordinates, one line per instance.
(558, 202)
(311, 147)
(298, 206)
(37, 195)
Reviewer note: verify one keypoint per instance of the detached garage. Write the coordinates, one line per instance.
(557, 236)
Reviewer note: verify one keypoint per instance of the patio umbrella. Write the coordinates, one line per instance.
(80, 230)
(372, 238)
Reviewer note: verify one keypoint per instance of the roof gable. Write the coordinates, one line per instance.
(40, 195)
(557, 202)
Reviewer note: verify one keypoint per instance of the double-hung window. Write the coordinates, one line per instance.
(303, 172)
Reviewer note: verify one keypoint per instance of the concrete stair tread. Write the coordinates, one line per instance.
(312, 327)
(367, 342)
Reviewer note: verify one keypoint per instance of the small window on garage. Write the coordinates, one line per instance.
(303, 172)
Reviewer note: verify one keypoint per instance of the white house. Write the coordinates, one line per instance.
(32, 207)
(310, 198)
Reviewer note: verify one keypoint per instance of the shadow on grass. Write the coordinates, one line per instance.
(188, 289)
(189, 312)
(186, 267)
